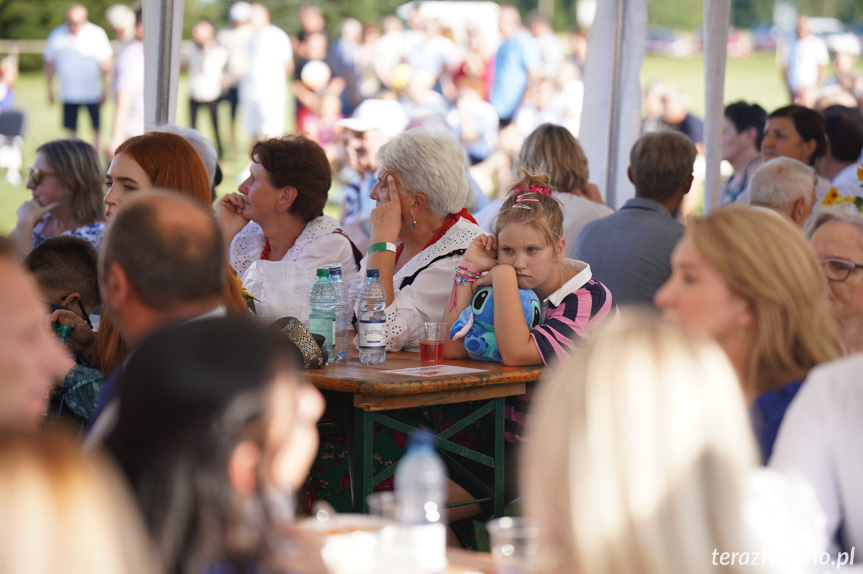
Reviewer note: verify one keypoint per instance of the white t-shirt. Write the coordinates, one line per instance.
(206, 67)
(577, 212)
(269, 53)
(77, 62)
(847, 183)
(129, 78)
(803, 59)
(821, 440)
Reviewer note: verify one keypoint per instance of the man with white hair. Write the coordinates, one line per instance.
(786, 186)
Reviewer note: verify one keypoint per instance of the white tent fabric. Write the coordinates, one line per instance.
(599, 95)
(163, 27)
(716, 17)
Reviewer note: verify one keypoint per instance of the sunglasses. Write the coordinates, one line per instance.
(36, 174)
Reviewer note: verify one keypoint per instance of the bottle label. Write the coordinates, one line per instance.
(428, 547)
(322, 326)
(372, 334)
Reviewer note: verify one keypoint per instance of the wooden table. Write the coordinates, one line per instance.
(466, 562)
(375, 391)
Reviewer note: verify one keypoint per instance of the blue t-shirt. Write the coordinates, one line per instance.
(767, 413)
(513, 59)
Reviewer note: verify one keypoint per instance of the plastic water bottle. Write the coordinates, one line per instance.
(372, 319)
(340, 342)
(421, 489)
(322, 316)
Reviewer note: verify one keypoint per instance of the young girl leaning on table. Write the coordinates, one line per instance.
(527, 252)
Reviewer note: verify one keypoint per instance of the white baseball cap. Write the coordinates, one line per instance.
(384, 115)
(241, 12)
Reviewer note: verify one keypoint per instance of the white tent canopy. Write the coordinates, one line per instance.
(612, 106)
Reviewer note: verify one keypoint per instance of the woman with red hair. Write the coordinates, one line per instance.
(155, 160)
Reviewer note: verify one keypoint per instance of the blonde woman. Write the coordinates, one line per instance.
(65, 511)
(645, 459)
(552, 149)
(750, 281)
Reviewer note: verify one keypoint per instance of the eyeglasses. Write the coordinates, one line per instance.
(836, 269)
(37, 174)
(84, 315)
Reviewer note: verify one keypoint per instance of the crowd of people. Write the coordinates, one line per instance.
(700, 399)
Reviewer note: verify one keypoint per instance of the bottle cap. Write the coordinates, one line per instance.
(421, 439)
(372, 273)
(323, 272)
(335, 270)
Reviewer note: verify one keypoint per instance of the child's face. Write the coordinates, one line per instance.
(533, 259)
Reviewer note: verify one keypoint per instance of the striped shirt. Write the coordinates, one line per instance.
(569, 316)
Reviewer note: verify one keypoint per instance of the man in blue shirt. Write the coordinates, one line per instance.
(517, 63)
(630, 251)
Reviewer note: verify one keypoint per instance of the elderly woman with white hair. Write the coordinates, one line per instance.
(836, 236)
(419, 230)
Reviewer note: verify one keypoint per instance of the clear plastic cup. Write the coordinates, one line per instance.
(513, 542)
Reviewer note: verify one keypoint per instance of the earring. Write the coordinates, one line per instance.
(414, 224)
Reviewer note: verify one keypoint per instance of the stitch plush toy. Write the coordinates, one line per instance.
(476, 323)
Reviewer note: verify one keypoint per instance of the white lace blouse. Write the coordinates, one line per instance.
(317, 246)
(422, 287)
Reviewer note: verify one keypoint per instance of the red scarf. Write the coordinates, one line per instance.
(447, 223)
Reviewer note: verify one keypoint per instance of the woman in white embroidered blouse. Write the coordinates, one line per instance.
(421, 192)
(279, 213)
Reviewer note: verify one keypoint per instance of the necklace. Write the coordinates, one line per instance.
(265, 253)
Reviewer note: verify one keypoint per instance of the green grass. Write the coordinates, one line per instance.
(44, 123)
(753, 79)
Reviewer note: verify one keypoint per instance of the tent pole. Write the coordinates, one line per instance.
(616, 107)
(163, 75)
(717, 14)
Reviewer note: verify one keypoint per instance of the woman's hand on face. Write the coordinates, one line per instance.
(229, 213)
(30, 211)
(386, 219)
(481, 254)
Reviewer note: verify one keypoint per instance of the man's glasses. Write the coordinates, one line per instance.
(836, 269)
(36, 174)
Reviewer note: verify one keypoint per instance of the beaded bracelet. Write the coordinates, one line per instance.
(464, 275)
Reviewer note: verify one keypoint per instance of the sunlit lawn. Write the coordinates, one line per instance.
(752, 79)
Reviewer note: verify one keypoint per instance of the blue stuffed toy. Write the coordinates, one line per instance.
(476, 323)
